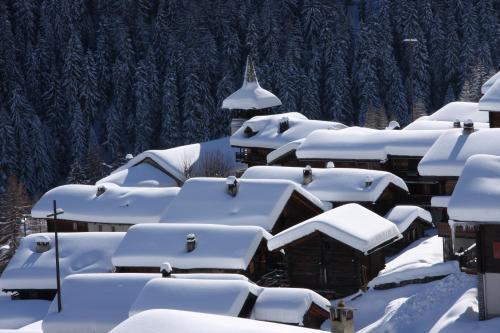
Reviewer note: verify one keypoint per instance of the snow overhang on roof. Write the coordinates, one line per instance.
(491, 81)
(477, 193)
(490, 101)
(449, 153)
(217, 246)
(403, 216)
(333, 184)
(350, 224)
(106, 203)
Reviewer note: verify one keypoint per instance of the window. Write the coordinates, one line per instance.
(100, 227)
(113, 228)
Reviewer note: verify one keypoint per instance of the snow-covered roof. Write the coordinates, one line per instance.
(333, 184)
(267, 134)
(357, 143)
(425, 124)
(140, 175)
(94, 302)
(175, 321)
(287, 305)
(350, 224)
(251, 96)
(281, 151)
(208, 296)
(15, 314)
(487, 85)
(448, 154)
(217, 246)
(477, 193)
(440, 201)
(257, 202)
(403, 216)
(490, 101)
(175, 161)
(124, 205)
(461, 111)
(423, 259)
(87, 252)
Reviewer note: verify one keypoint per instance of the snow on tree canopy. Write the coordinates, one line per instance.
(208, 296)
(217, 246)
(268, 134)
(140, 175)
(284, 150)
(175, 321)
(490, 101)
(365, 144)
(333, 184)
(124, 205)
(403, 216)
(175, 162)
(448, 154)
(88, 252)
(251, 96)
(350, 224)
(489, 83)
(287, 305)
(477, 193)
(258, 202)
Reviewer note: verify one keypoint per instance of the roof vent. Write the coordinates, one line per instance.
(393, 125)
(284, 124)
(166, 270)
(232, 185)
(128, 157)
(248, 132)
(190, 242)
(368, 181)
(330, 164)
(42, 244)
(100, 190)
(307, 175)
(468, 126)
(456, 124)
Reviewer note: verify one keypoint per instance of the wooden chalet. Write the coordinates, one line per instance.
(411, 222)
(31, 273)
(378, 191)
(490, 102)
(338, 252)
(195, 248)
(474, 206)
(273, 204)
(103, 207)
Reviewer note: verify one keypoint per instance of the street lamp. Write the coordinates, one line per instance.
(411, 42)
(55, 213)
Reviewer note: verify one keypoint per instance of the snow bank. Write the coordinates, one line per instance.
(448, 155)
(357, 143)
(477, 193)
(281, 151)
(207, 296)
(268, 134)
(422, 259)
(140, 175)
(94, 302)
(333, 184)
(15, 314)
(124, 205)
(403, 216)
(87, 252)
(174, 321)
(287, 305)
(217, 246)
(487, 85)
(350, 224)
(258, 202)
(490, 101)
(174, 161)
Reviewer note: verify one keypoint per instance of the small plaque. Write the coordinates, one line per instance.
(496, 249)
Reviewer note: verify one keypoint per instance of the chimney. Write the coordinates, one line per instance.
(190, 242)
(42, 244)
(307, 175)
(368, 181)
(166, 270)
(468, 126)
(284, 124)
(248, 132)
(100, 190)
(232, 185)
(128, 157)
(342, 318)
(330, 165)
(456, 124)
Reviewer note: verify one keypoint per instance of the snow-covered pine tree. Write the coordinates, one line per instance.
(170, 124)
(89, 93)
(73, 68)
(143, 109)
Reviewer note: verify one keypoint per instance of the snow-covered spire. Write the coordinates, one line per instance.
(251, 96)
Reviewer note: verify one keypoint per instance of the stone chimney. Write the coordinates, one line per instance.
(307, 175)
(342, 318)
(190, 242)
(456, 124)
(232, 185)
(468, 126)
(284, 124)
(166, 270)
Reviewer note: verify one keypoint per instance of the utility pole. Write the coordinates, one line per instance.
(411, 42)
(58, 271)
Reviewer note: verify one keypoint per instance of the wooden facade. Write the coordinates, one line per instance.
(252, 156)
(40, 294)
(414, 232)
(79, 226)
(315, 316)
(330, 267)
(494, 119)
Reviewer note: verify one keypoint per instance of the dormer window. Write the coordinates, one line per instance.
(232, 185)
